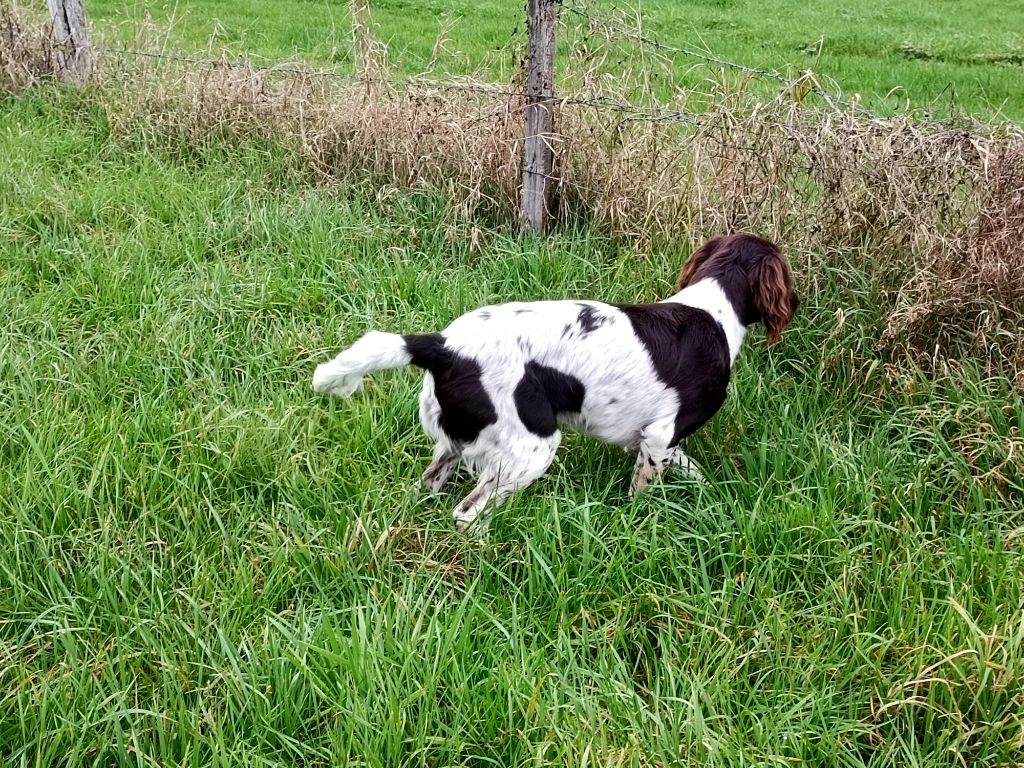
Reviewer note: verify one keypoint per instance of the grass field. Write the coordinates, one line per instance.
(962, 54)
(201, 563)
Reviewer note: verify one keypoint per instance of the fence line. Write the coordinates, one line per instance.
(610, 27)
(630, 112)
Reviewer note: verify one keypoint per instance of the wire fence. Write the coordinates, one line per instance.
(609, 27)
(630, 111)
(805, 83)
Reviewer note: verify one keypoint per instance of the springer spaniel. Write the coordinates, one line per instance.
(500, 381)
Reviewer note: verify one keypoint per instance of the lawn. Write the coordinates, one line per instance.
(965, 55)
(203, 563)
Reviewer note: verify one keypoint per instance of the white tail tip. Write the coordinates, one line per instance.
(373, 352)
(333, 379)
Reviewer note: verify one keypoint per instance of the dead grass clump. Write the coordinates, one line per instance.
(413, 136)
(26, 51)
(197, 105)
(970, 291)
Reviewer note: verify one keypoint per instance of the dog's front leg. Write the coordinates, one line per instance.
(688, 465)
(654, 454)
(649, 464)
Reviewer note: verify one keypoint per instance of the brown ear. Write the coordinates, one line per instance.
(773, 294)
(696, 261)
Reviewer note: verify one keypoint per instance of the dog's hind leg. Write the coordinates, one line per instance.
(441, 468)
(446, 453)
(469, 509)
(524, 459)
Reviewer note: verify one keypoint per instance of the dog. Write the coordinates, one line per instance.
(502, 381)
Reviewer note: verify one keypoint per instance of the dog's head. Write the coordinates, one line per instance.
(754, 275)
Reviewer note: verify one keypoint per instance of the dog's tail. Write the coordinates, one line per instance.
(377, 351)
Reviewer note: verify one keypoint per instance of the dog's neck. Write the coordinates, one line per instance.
(708, 295)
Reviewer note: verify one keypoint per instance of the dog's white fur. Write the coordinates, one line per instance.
(626, 403)
(502, 380)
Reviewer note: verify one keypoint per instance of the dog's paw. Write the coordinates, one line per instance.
(473, 526)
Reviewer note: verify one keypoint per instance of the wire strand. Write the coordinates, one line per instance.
(609, 26)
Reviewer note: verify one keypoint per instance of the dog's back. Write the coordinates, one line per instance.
(501, 380)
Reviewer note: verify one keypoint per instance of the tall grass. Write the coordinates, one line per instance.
(26, 51)
(203, 564)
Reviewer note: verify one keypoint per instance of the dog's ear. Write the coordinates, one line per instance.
(772, 290)
(697, 259)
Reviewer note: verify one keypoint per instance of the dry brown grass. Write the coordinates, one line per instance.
(26, 51)
(933, 214)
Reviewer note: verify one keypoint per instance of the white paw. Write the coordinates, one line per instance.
(469, 520)
(475, 526)
(691, 471)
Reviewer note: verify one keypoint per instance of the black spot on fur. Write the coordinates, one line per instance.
(567, 331)
(542, 394)
(589, 318)
(465, 406)
(427, 349)
(523, 311)
(612, 400)
(483, 314)
(690, 354)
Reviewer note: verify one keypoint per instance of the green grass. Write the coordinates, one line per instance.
(964, 55)
(203, 563)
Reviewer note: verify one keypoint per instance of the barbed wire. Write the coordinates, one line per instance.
(290, 69)
(240, 64)
(629, 111)
(610, 26)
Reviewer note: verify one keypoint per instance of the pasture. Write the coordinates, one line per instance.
(951, 56)
(202, 563)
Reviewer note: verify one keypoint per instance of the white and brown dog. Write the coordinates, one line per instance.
(500, 381)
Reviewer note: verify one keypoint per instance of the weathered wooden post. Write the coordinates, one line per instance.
(538, 153)
(71, 42)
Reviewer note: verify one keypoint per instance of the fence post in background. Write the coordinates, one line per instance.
(71, 43)
(538, 155)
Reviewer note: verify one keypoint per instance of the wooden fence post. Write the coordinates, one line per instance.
(538, 154)
(71, 43)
